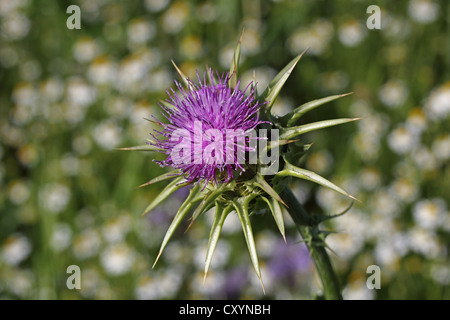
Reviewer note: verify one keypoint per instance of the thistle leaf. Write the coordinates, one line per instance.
(219, 219)
(293, 116)
(260, 182)
(163, 177)
(241, 207)
(184, 209)
(289, 133)
(274, 87)
(145, 147)
(275, 208)
(293, 171)
(167, 191)
(234, 68)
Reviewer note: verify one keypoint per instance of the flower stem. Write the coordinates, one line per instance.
(308, 231)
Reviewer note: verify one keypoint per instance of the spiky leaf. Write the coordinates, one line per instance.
(184, 209)
(294, 171)
(275, 209)
(261, 183)
(145, 147)
(167, 191)
(219, 219)
(241, 207)
(274, 87)
(182, 75)
(292, 117)
(208, 201)
(289, 133)
(163, 177)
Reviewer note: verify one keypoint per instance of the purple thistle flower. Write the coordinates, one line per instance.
(209, 130)
(198, 144)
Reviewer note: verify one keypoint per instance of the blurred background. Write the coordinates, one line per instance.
(68, 98)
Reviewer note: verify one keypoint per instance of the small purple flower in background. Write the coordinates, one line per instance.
(289, 259)
(236, 280)
(200, 122)
(163, 215)
(160, 217)
(181, 194)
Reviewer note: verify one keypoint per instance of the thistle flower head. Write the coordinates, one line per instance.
(201, 120)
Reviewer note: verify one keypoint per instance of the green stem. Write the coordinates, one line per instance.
(307, 229)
